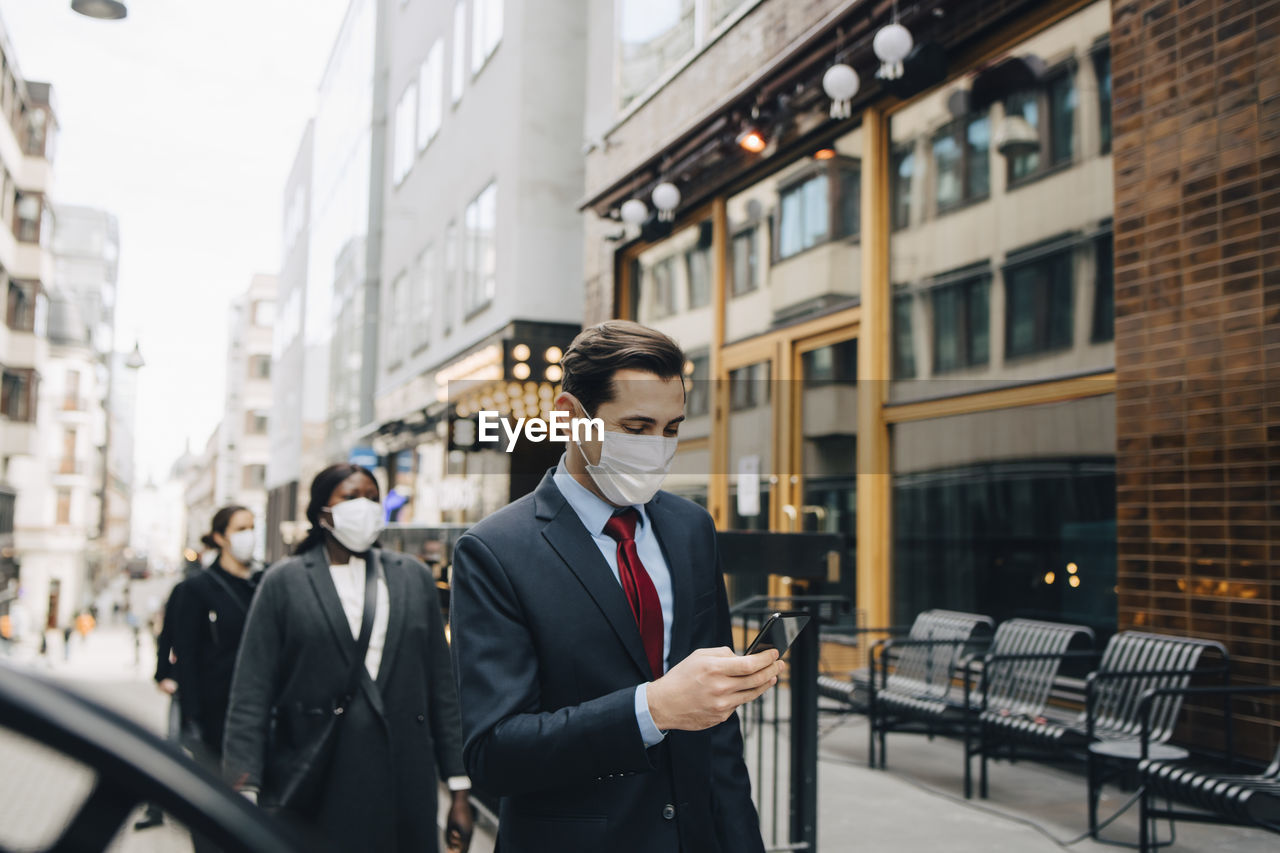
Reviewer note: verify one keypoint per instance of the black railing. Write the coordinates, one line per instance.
(767, 726)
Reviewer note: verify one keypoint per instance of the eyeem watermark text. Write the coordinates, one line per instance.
(562, 427)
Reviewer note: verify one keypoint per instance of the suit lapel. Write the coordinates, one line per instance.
(566, 534)
(327, 596)
(672, 540)
(398, 593)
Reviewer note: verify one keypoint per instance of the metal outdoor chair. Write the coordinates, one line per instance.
(920, 688)
(1015, 680)
(1217, 796)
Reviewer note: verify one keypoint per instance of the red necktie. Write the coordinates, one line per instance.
(636, 583)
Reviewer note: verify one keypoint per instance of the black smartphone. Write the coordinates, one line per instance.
(779, 631)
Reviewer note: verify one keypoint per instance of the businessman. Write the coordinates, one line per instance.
(591, 634)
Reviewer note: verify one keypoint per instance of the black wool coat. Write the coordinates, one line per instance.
(397, 737)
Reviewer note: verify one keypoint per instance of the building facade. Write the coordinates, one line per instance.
(481, 253)
(244, 446)
(906, 325)
(28, 136)
(299, 397)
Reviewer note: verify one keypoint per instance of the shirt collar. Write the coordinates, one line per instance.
(593, 511)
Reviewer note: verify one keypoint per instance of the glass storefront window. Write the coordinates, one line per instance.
(985, 522)
(794, 246)
(671, 286)
(1002, 275)
(697, 262)
(901, 172)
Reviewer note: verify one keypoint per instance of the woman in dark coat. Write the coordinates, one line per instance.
(377, 790)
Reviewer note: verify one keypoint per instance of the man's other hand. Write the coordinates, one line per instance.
(704, 689)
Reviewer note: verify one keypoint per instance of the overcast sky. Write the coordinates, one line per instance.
(182, 120)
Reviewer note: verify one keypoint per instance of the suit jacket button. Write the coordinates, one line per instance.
(421, 719)
(668, 812)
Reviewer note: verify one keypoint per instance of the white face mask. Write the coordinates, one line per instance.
(356, 524)
(242, 544)
(632, 467)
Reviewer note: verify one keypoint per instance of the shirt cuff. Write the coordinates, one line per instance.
(649, 733)
(459, 783)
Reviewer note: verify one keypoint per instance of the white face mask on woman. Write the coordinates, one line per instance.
(632, 467)
(356, 524)
(242, 544)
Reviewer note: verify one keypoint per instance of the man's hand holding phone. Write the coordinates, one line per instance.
(704, 689)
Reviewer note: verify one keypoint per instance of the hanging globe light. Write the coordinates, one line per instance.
(634, 212)
(841, 84)
(892, 44)
(666, 197)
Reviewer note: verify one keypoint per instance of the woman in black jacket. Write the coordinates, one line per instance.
(208, 614)
(375, 789)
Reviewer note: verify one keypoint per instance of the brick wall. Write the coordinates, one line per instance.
(1197, 241)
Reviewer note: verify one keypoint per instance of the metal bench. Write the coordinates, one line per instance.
(1219, 797)
(920, 690)
(1108, 732)
(1016, 676)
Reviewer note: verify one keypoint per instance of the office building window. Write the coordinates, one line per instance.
(697, 385)
(403, 142)
(1038, 303)
(1104, 298)
(481, 258)
(62, 511)
(961, 324)
(962, 162)
(18, 388)
(70, 438)
(21, 311)
(904, 355)
(264, 313)
(459, 62)
(657, 36)
(813, 201)
(903, 170)
(697, 264)
(396, 321)
(28, 212)
(486, 31)
(1051, 113)
(661, 283)
(452, 269)
(746, 261)
(254, 477)
(830, 364)
(259, 367)
(749, 387)
(71, 391)
(425, 297)
(431, 95)
(1102, 73)
(255, 423)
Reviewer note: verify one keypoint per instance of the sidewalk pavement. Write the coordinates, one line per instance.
(918, 804)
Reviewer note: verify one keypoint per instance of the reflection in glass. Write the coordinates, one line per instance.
(1038, 311)
(1027, 105)
(904, 356)
(653, 36)
(903, 170)
(1102, 71)
(1104, 304)
(698, 269)
(961, 323)
(946, 168)
(804, 216)
(746, 258)
(978, 139)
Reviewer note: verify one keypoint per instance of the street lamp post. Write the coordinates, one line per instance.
(134, 361)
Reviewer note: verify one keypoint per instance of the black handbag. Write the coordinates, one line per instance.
(303, 738)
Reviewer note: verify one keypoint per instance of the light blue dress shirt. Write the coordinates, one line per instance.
(595, 514)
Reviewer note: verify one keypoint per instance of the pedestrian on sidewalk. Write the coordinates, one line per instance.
(166, 683)
(207, 624)
(345, 657)
(591, 633)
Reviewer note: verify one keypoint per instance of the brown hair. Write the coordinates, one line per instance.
(601, 350)
(221, 519)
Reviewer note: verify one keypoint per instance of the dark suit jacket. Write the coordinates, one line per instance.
(380, 791)
(548, 657)
(208, 618)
